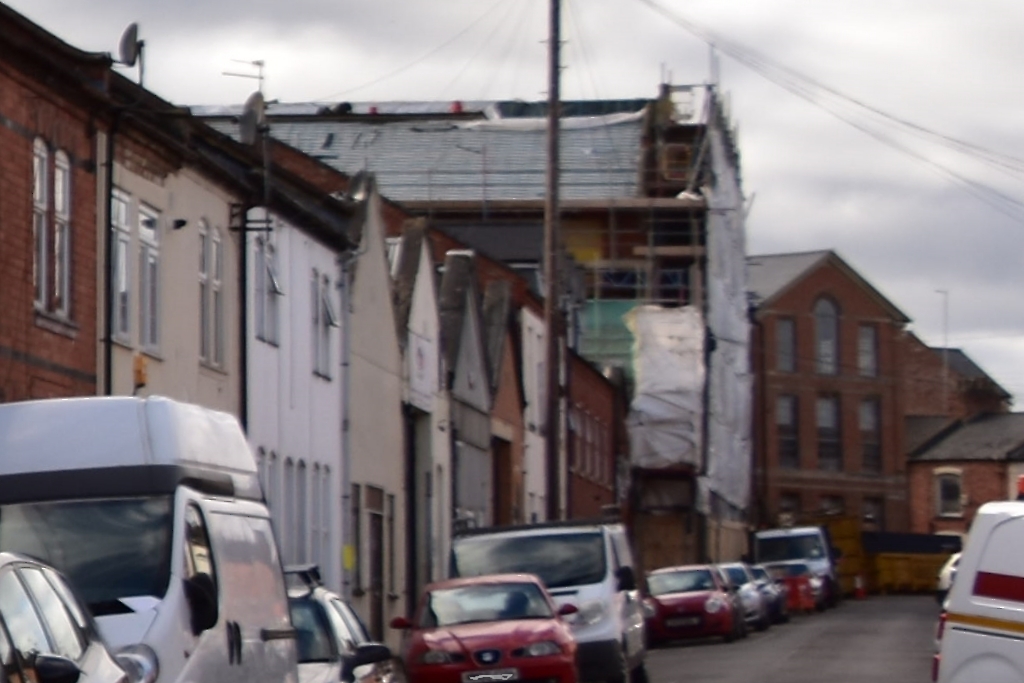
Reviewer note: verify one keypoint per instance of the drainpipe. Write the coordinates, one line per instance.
(108, 254)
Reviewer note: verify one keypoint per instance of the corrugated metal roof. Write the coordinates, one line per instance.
(482, 160)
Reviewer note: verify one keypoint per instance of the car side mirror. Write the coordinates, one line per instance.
(401, 623)
(567, 609)
(367, 653)
(626, 579)
(55, 669)
(201, 595)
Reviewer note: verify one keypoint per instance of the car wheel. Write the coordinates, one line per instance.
(638, 674)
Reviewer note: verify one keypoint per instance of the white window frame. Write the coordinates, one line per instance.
(267, 292)
(62, 234)
(40, 220)
(120, 267)
(204, 289)
(149, 222)
(217, 345)
(324, 318)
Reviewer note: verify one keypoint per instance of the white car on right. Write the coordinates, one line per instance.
(982, 623)
(945, 578)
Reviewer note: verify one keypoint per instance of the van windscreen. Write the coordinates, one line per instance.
(109, 549)
(559, 560)
(780, 548)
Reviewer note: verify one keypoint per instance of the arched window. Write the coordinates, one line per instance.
(62, 234)
(826, 337)
(40, 222)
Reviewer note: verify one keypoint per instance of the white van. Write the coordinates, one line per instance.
(810, 544)
(981, 630)
(587, 564)
(153, 509)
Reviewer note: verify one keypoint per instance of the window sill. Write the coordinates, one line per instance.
(56, 323)
(949, 515)
(268, 342)
(326, 378)
(210, 367)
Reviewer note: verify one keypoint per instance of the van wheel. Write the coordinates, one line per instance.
(623, 675)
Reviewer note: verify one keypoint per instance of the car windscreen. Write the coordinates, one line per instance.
(683, 581)
(484, 602)
(780, 548)
(737, 575)
(108, 549)
(560, 560)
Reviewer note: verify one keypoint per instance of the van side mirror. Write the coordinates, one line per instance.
(367, 653)
(201, 595)
(626, 578)
(56, 669)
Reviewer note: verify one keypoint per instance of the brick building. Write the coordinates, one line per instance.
(50, 96)
(964, 447)
(829, 409)
(594, 412)
(971, 462)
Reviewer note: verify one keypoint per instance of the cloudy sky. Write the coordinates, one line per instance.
(914, 178)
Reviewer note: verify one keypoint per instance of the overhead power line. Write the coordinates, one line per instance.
(865, 117)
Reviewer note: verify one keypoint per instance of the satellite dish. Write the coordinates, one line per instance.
(360, 185)
(130, 45)
(253, 118)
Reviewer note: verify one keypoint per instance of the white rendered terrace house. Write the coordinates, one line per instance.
(428, 442)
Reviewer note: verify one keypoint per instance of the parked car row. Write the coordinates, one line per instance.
(726, 600)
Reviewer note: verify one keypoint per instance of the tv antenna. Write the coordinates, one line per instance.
(130, 49)
(258, 76)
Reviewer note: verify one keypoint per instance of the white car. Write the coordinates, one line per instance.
(946, 576)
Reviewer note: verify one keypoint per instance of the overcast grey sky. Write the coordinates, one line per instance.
(911, 223)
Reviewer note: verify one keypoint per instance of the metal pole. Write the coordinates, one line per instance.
(945, 350)
(551, 295)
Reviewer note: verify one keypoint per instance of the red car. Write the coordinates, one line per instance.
(691, 601)
(488, 629)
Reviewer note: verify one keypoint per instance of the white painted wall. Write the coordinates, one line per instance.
(377, 441)
(174, 368)
(294, 414)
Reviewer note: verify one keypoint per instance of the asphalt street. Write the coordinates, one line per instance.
(881, 639)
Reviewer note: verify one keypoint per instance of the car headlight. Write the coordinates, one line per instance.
(591, 613)
(139, 662)
(440, 657)
(713, 604)
(541, 649)
(815, 582)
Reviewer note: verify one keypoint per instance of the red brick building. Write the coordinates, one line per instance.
(828, 432)
(594, 413)
(964, 448)
(50, 97)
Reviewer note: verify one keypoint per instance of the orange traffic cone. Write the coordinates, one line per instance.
(858, 588)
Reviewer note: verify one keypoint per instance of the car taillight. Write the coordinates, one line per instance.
(940, 628)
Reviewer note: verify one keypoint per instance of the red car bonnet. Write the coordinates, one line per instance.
(469, 637)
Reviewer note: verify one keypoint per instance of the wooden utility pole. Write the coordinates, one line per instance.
(552, 291)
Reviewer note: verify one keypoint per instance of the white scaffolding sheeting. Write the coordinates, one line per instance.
(666, 413)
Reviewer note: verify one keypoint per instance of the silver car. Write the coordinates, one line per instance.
(333, 644)
(755, 607)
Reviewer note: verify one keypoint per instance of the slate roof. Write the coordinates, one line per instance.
(991, 437)
(438, 157)
(919, 429)
(770, 275)
(963, 365)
